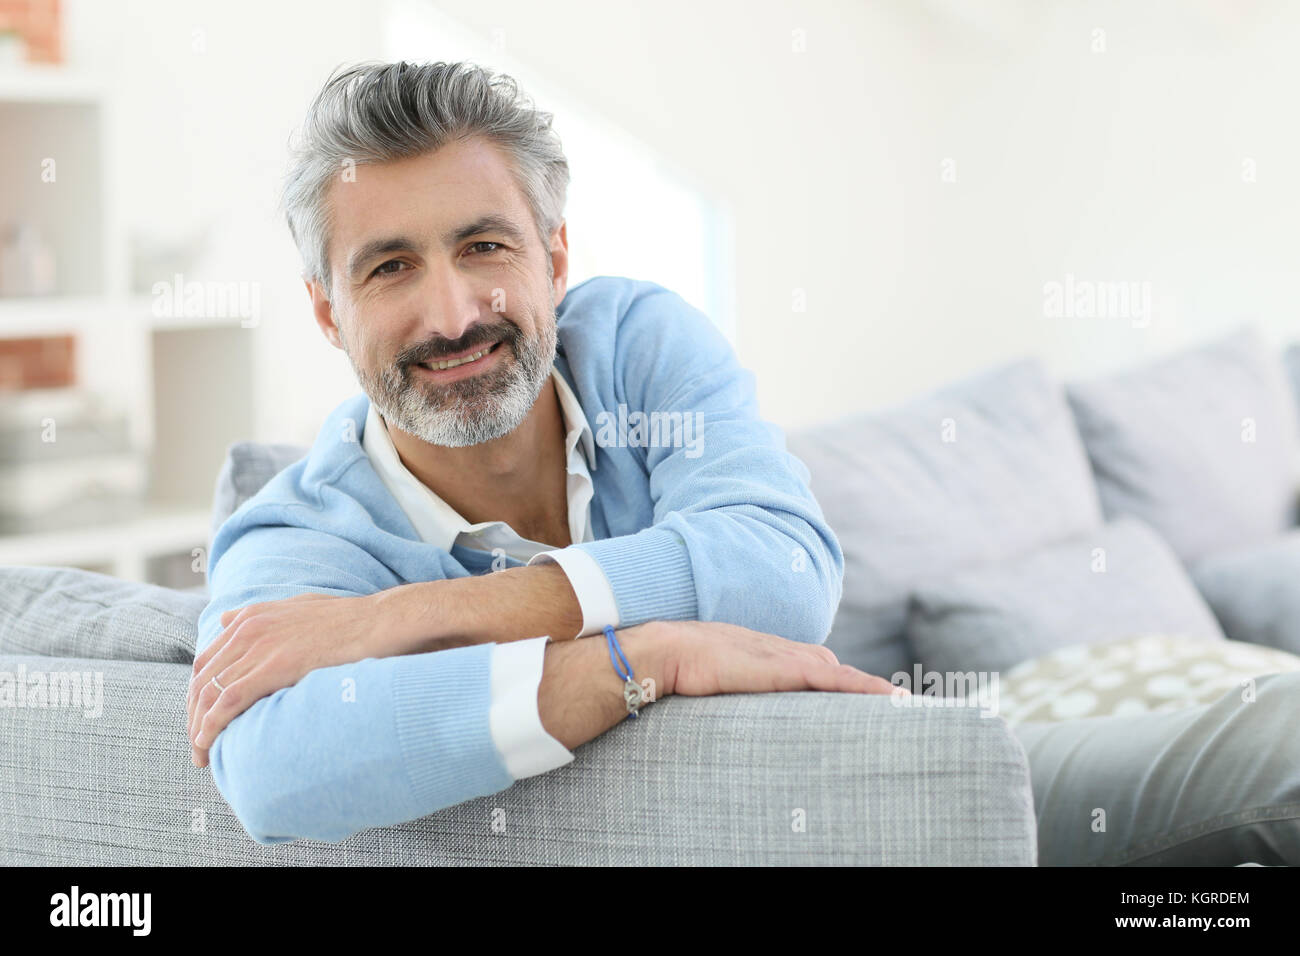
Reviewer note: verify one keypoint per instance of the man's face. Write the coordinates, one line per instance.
(441, 294)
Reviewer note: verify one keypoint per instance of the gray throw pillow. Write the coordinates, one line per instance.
(1114, 582)
(248, 466)
(67, 612)
(983, 469)
(1255, 592)
(1200, 445)
(1291, 361)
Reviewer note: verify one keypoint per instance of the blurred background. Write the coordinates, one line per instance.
(869, 198)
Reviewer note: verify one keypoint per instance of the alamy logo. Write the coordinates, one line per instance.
(946, 689)
(40, 689)
(651, 430)
(209, 300)
(103, 909)
(1086, 299)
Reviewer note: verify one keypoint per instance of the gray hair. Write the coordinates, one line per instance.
(380, 112)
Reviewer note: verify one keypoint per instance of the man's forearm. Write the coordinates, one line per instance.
(509, 605)
(415, 738)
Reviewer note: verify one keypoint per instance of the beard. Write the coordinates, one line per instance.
(473, 410)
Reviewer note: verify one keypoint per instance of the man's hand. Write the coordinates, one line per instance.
(266, 647)
(708, 658)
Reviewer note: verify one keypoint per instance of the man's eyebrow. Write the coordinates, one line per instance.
(390, 244)
(489, 223)
(375, 248)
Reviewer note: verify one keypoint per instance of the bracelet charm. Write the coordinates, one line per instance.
(634, 694)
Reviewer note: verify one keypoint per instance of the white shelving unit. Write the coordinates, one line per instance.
(170, 375)
(122, 549)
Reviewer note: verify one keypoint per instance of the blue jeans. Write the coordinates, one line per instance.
(1212, 785)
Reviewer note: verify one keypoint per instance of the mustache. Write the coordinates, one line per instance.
(479, 335)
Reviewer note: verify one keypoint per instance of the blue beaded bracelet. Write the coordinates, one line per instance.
(633, 695)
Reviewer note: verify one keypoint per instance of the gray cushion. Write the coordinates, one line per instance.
(906, 504)
(1255, 592)
(993, 618)
(248, 466)
(1167, 444)
(67, 612)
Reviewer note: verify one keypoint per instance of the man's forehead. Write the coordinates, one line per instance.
(474, 169)
(424, 199)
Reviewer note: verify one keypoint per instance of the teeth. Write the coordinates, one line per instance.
(463, 361)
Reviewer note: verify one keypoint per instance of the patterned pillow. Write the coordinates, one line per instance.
(1146, 673)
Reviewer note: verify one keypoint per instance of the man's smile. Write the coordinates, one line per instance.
(461, 364)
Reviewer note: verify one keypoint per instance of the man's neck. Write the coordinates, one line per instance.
(520, 478)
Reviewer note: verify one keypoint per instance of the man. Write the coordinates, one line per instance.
(401, 620)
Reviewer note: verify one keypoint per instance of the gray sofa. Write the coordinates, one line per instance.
(747, 779)
(993, 472)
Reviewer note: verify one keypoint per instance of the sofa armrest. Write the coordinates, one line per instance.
(749, 779)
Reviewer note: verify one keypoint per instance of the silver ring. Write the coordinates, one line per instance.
(217, 682)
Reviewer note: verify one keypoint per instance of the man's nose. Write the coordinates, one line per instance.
(453, 304)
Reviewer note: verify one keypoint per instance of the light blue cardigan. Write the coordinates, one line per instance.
(721, 529)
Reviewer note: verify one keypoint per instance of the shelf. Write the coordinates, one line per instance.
(51, 315)
(181, 323)
(47, 84)
(48, 315)
(125, 545)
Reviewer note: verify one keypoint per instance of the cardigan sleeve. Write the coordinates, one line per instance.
(737, 535)
(372, 743)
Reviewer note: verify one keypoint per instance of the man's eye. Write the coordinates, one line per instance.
(486, 242)
(384, 270)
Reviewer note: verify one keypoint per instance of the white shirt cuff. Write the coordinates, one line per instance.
(595, 596)
(514, 719)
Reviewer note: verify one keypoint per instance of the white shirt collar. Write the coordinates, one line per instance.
(575, 422)
(439, 524)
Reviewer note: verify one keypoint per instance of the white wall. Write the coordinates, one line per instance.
(1122, 165)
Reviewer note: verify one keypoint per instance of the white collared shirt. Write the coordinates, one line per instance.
(516, 725)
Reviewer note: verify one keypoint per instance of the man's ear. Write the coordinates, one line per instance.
(560, 262)
(324, 312)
